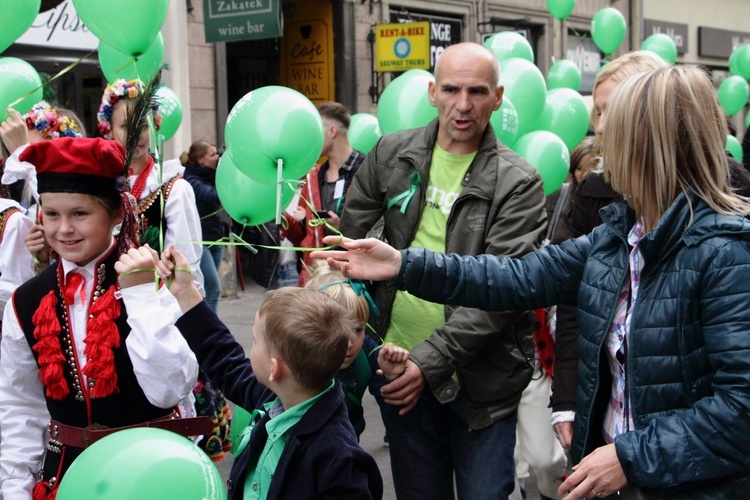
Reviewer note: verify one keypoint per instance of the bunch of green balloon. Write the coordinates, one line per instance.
(734, 92)
(507, 44)
(17, 79)
(565, 115)
(116, 65)
(524, 85)
(662, 45)
(129, 27)
(142, 463)
(548, 154)
(505, 122)
(560, 9)
(15, 19)
(170, 109)
(564, 74)
(739, 61)
(734, 147)
(272, 123)
(405, 103)
(608, 29)
(364, 132)
(246, 200)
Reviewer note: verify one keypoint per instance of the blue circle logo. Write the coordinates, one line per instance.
(401, 48)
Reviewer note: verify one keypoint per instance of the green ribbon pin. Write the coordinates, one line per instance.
(407, 195)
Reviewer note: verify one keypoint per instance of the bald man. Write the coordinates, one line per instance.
(452, 187)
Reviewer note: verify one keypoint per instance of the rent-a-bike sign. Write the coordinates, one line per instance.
(400, 47)
(230, 20)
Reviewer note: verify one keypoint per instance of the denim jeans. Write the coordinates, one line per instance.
(210, 262)
(286, 275)
(432, 442)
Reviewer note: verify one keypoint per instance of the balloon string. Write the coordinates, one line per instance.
(58, 75)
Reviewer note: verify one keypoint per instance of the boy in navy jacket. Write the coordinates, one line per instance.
(300, 443)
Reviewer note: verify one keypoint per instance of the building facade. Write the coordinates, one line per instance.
(325, 48)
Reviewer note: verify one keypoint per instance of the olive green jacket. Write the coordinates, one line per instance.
(501, 212)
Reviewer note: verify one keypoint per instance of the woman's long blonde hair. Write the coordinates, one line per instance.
(665, 135)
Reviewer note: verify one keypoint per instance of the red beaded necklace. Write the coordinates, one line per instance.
(140, 182)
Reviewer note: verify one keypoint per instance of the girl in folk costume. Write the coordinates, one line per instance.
(179, 222)
(74, 367)
(16, 263)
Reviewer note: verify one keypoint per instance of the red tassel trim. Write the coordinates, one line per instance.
(51, 359)
(43, 491)
(102, 337)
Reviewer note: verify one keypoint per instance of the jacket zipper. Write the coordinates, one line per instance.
(612, 311)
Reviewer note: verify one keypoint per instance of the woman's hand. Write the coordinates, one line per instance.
(368, 259)
(598, 475)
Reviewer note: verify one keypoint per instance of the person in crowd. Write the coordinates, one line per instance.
(75, 366)
(169, 214)
(661, 294)
(326, 185)
(41, 123)
(364, 357)
(200, 171)
(594, 193)
(300, 443)
(16, 264)
(452, 186)
(166, 202)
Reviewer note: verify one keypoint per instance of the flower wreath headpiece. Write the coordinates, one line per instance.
(120, 89)
(45, 119)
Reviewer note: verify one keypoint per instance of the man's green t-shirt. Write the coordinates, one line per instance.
(413, 319)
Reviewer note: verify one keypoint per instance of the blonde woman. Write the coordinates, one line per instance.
(664, 386)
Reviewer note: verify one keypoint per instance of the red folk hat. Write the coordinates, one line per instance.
(71, 165)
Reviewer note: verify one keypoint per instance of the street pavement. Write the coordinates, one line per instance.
(239, 314)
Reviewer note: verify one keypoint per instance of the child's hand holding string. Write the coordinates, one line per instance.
(392, 361)
(136, 267)
(37, 245)
(175, 270)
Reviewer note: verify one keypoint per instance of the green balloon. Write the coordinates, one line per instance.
(733, 94)
(507, 44)
(272, 123)
(142, 463)
(116, 65)
(246, 200)
(364, 132)
(524, 85)
(18, 78)
(129, 27)
(734, 147)
(560, 9)
(170, 109)
(564, 74)
(548, 154)
(565, 115)
(405, 103)
(16, 18)
(608, 29)
(662, 45)
(504, 122)
(739, 61)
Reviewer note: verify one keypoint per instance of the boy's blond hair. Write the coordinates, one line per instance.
(322, 274)
(308, 331)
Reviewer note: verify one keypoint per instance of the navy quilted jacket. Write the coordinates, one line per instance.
(688, 362)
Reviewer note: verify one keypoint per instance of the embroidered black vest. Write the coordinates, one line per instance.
(129, 404)
(153, 222)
